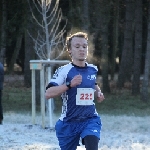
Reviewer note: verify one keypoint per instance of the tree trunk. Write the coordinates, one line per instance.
(74, 15)
(144, 91)
(125, 70)
(105, 14)
(3, 32)
(138, 49)
(96, 18)
(85, 17)
(115, 38)
(16, 50)
(29, 51)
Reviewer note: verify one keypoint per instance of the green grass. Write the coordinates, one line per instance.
(19, 100)
(16, 99)
(123, 104)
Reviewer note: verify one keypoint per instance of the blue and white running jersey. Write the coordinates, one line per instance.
(71, 111)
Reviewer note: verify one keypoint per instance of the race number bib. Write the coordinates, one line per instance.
(85, 96)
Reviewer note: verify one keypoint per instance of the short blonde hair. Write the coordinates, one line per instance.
(78, 34)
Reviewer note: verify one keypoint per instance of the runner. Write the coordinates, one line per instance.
(76, 83)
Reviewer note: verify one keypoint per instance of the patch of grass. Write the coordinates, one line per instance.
(19, 99)
(16, 99)
(123, 104)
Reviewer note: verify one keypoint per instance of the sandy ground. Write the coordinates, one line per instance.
(118, 133)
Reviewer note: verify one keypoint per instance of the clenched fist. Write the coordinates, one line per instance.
(76, 80)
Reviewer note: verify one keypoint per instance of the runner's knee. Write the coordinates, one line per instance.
(91, 142)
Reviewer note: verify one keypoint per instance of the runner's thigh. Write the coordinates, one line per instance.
(68, 140)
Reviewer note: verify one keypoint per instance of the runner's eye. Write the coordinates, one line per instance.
(85, 46)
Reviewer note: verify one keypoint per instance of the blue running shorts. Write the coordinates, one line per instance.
(69, 133)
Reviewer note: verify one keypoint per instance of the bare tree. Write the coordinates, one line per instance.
(49, 43)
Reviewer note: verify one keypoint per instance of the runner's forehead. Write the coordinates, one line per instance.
(79, 40)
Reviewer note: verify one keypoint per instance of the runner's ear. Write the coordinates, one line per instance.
(69, 51)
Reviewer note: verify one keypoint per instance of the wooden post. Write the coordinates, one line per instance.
(39, 65)
(50, 102)
(42, 88)
(33, 97)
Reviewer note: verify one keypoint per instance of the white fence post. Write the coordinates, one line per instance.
(33, 97)
(50, 102)
(39, 65)
(42, 89)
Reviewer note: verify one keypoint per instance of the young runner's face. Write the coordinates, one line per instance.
(79, 48)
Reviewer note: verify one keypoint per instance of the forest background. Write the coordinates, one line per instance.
(119, 40)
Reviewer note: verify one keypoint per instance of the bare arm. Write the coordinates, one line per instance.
(58, 90)
(55, 91)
